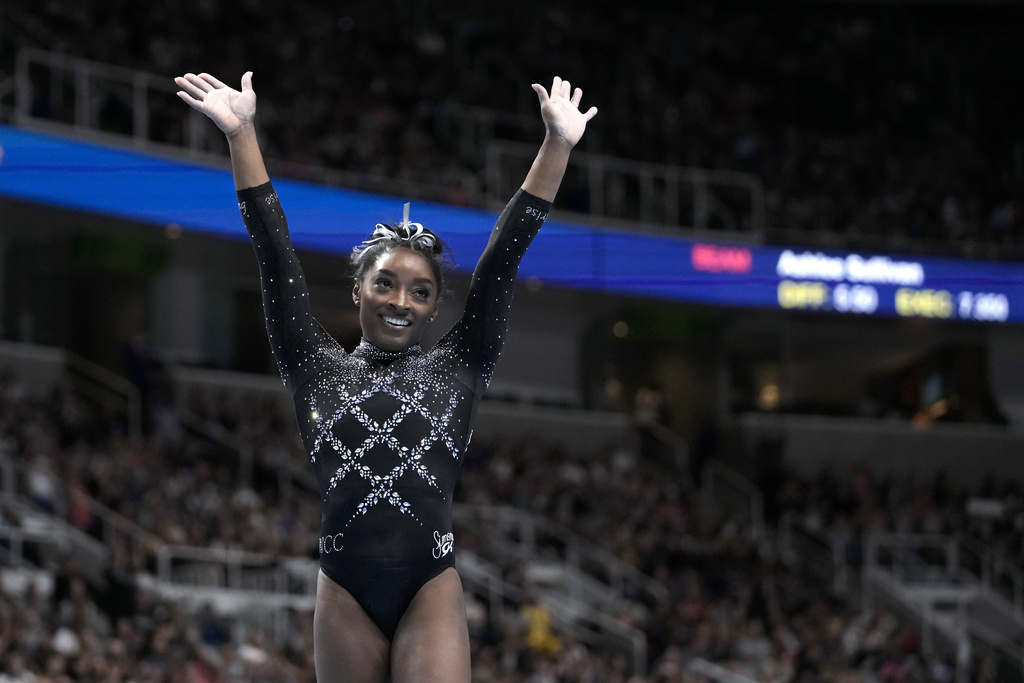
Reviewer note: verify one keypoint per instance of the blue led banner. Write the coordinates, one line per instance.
(160, 191)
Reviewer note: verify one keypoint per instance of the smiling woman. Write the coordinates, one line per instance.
(396, 297)
(399, 276)
(386, 425)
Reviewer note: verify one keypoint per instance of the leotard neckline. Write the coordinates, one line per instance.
(367, 349)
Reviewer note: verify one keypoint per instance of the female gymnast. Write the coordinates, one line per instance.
(386, 425)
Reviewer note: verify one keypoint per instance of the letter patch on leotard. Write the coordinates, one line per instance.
(331, 544)
(444, 544)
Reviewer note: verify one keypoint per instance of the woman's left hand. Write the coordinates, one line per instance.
(561, 113)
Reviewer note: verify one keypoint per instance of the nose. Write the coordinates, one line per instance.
(399, 300)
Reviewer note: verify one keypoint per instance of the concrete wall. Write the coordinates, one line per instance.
(811, 444)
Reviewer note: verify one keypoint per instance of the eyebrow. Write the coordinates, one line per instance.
(426, 280)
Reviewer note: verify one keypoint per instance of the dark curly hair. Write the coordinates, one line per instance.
(387, 237)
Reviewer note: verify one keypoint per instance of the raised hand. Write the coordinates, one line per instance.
(230, 109)
(561, 113)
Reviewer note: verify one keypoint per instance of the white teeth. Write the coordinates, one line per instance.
(396, 321)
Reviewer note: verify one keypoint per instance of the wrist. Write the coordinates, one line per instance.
(244, 130)
(556, 143)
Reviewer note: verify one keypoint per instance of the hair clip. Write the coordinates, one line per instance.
(406, 231)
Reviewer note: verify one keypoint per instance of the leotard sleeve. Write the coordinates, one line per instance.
(293, 332)
(480, 334)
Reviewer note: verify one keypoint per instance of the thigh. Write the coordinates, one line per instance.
(432, 641)
(347, 646)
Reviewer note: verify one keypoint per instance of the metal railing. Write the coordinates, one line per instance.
(822, 553)
(236, 570)
(109, 524)
(50, 537)
(113, 525)
(636, 192)
(995, 571)
(726, 495)
(238, 448)
(262, 591)
(716, 672)
(582, 621)
(45, 366)
(118, 105)
(107, 388)
(936, 577)
(246, 599)
(100, 98)
(582, 583)
(598, 574)
(191, 384)
(15, 540)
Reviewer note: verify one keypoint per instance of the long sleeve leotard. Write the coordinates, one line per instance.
(386, 431)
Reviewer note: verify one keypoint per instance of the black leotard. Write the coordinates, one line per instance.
(386, 431)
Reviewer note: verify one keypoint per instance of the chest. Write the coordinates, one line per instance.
(412, 406)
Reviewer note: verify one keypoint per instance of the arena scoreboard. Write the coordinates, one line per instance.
(162, 191)
(861, 284)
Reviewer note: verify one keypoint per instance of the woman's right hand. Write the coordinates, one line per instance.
(232, 110)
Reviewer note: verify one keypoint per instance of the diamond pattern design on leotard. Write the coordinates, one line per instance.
(411, 402)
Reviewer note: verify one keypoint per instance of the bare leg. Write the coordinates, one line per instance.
(432, 641)
(347, 646)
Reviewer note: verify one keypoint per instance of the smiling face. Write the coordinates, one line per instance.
(397, 297)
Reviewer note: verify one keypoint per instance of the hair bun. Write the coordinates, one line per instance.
(407, 233)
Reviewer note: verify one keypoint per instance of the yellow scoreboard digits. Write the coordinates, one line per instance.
(924, 303)
(809, 295)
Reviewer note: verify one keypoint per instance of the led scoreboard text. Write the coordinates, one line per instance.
(867, 285)
(854, 284)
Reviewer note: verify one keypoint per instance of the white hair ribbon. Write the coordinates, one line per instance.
(406, 231)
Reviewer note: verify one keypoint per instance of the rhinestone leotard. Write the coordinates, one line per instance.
(386, 431)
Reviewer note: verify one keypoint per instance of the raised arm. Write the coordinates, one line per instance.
(480, 334)
(294, 334)
(564, 125)
(234, 112)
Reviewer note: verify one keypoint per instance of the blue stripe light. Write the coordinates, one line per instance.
(155, 190)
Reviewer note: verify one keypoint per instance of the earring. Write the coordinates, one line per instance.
(355, 301)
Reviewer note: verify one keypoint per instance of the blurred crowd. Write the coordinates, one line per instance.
(867, 123)
(74, 456)
(74, 634)
(893, 124)
(733, 597)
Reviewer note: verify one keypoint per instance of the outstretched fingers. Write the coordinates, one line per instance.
(558, 87)
(198, 82)
(224, 105)
(563, 89)
(212, 81)
(576, 97)
(542, 93)
(190, 93)
(189, 100)
(190, 84)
